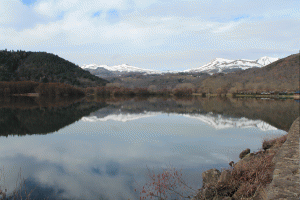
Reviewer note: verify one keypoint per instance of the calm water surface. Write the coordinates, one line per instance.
(106, 151)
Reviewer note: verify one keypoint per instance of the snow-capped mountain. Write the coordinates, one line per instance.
(117, 69)
(266, 60)
(219, 65)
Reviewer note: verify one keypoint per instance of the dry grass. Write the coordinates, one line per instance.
(19, 193)
(276, 142)
(252, 174)
(249, 177)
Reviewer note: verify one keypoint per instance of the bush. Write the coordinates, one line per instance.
(58, 90)
(166, 185)
(182, 92)
(18, 87)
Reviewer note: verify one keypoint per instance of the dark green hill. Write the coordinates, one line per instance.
(44, 67)
(282, 75)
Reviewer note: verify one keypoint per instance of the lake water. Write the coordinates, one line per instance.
(104, 150)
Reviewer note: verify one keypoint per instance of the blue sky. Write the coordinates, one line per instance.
(152, 34)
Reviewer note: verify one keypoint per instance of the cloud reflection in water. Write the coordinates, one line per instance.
(105, 159)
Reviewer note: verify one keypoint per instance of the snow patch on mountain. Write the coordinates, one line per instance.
(266, 60)
(121, 68)
(219, 65)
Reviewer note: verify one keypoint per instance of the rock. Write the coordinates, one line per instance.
(248, 157)
(244, 153)
(268, 144)
(210, 176)
(225, 176)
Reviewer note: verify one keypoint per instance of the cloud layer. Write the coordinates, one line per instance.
(157, 34)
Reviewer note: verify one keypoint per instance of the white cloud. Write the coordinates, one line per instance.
(13, 12)
(148, 28)
(47, 8)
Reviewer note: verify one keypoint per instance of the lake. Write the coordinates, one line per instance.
(96, 149)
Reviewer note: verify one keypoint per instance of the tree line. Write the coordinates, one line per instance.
(43, 89)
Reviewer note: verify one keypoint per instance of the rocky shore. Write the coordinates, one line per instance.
(269, 174)
(286, 175)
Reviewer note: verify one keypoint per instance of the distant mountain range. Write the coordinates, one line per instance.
(106, 71)
(218, 65)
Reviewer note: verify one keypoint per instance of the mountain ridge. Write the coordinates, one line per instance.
(221, 65)
(217, 65)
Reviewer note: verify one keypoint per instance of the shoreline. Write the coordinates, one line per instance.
(272, 173)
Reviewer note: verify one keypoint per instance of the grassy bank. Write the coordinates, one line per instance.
(247, 179)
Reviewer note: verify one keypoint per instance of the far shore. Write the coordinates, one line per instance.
(27, 95)
(206, 95)
(248, 95)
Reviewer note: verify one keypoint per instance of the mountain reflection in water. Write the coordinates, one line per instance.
(102, 150)
(215, 120)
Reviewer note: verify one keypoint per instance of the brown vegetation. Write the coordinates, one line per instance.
(58, 89)
(120, 92)
(276, 142)
(166, 185)
(245, 179)
(19, 87)
(44, 89)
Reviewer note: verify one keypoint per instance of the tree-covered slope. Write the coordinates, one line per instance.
(282, 75)
(43, 67)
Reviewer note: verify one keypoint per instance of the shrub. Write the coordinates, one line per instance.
(18, 87)
(182, 92)
(58, 90)
(166, 185)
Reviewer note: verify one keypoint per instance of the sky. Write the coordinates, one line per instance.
(152, 34)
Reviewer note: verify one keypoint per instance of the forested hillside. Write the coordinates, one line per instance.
(43, 67)
(282, 75)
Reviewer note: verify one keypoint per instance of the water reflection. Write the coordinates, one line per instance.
(102, 151)
(22, 116)
(215, 120)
